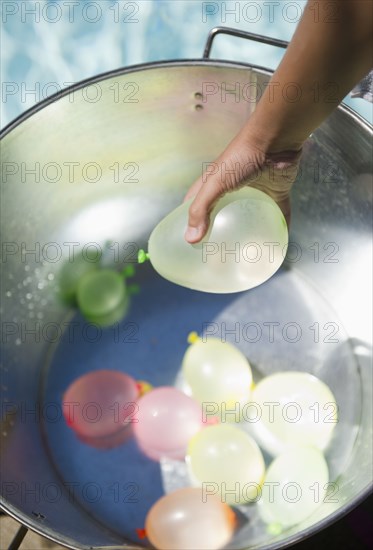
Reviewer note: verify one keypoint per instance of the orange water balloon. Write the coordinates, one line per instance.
(187, 519)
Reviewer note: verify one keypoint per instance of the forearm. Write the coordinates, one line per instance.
(325, 59)
(330, 52)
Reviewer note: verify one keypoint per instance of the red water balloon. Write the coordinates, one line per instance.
(100, 407)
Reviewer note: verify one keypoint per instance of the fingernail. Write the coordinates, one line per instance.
(192, 233)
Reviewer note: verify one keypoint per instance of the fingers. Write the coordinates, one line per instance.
(193, 190)
(238, 166)
(200, 209)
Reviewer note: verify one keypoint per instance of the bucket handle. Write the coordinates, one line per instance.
(241, 34)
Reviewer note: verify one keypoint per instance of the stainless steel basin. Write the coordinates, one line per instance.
(102, 163)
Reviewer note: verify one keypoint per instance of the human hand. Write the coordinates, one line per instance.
(241, 164)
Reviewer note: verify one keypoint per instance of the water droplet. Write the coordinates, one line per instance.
(9, 294)
(29, 295)
(40, 315)
(27, 268)
(50, 277)
(31, 306)
(18, 341)
(40, 285)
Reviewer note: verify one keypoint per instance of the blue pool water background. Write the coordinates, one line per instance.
(49, 44)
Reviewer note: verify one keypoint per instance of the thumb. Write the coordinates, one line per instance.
(199, 211)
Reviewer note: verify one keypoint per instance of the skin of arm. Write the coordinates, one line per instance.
(324, 51)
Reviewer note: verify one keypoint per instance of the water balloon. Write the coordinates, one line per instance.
(72, 272)
(245, 246)
(186, 520)
(102, 297)
(227, 460)
(218, 375)
(100, 407)
(292, 408)
(295, 485)
(165, 421)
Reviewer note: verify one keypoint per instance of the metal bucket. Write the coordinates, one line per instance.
(102, 163)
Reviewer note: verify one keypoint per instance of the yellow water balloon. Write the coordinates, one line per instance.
(218, 375)
(226, 461)
(245, 246)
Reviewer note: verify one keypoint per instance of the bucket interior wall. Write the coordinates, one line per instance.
(106, 163)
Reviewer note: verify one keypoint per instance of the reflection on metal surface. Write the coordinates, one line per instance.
(326, 280)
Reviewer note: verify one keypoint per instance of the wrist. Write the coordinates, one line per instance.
(271, 148)
(266, 132)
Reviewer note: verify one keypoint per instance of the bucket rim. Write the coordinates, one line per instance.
(365, 125)
(292, 540)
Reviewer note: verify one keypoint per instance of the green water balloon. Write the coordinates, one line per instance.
(102, 297)
(245, 245)
(73, 271)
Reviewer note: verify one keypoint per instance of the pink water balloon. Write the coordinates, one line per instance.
(100, 407)
(165, 421)
(186, 520)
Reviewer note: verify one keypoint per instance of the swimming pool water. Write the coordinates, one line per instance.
(48, 44)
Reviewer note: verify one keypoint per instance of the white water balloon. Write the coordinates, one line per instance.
(292, 408)
(295, 485)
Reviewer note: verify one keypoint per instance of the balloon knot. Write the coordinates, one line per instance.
(143, 387)
(192, 337)
(133, 290)
(141, 533)
(275, 529)
(129, 271)
(142, 256)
